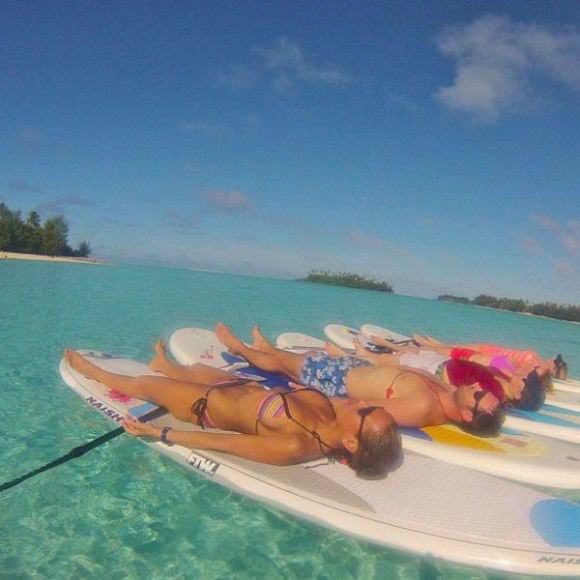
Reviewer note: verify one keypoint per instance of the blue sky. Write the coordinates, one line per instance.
(432, 145)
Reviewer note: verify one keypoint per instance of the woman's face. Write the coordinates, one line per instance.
(473, 397)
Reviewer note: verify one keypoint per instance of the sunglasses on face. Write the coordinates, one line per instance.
(477, 396)
(364, 413)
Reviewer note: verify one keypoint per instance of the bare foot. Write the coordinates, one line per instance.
(80, 364)
(260, 341)
(228, 339)
(159, 362)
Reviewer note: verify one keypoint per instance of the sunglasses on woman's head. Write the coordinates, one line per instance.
(364, 413)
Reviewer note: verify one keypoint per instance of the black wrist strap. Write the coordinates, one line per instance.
(163, 436)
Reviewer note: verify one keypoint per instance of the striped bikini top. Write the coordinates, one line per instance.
(199, 409)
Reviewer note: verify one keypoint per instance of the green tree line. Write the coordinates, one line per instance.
(30, 236)
(347, 279)
(549, 309)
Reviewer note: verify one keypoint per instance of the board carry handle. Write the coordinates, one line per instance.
(81, 449)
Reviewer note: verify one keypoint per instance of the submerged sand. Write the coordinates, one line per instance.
(41, 258)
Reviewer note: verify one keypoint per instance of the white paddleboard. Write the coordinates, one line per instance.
(298, 341)
(526, 450)
(343, 336)
(190, 345)
(370, 330)
(559, 417)
(571, 385)
(566, 399)
(425, 506)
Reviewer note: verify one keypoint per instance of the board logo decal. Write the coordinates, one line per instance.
(208, 353)
(558, 560)
(203, 464)
(100, 406)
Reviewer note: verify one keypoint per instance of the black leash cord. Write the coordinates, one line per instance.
(81, 450)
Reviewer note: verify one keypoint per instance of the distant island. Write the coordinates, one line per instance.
(347, 279)
(32, 239)
(548, 309)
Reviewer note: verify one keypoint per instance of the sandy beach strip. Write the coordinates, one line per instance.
(41, 258)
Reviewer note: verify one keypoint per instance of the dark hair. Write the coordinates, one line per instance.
(560, 367)
(484, 423)
(377, 452)
(533, 394)
(547, 381)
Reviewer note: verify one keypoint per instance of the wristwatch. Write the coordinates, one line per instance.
(163, 436)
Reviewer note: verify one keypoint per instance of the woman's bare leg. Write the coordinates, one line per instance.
(175, 396)
(261, 342)
(277, 361)
(334, 351)
(196, 373)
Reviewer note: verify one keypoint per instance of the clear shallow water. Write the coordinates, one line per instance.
(122, 510)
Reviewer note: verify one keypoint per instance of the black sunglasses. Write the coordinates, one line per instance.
(364, 413)
(477, 396)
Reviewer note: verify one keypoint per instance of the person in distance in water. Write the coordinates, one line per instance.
(276, 427)
(413, 397)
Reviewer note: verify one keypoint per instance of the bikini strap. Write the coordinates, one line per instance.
(199, 407)
(430, 383)
(314, 434)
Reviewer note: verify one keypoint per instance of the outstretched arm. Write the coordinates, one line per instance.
(283, 450)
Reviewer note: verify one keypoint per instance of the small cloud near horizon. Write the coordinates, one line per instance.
(567, 234)
(180, 222)
(499, 65)
(58, 205)
(564, 268)
(532, 246)
(362, 240)
(21, 186)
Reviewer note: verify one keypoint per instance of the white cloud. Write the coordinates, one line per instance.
(364, 241)
(532, 246)
(227, 201)
(21, 186)
(283, 66)
(288, 65)
(58, 205)
(567, 234)
(545, 221)
(564, 268)
(499, 62)
(182, 223)
(205, 128)
(238, 76)
(30, 137)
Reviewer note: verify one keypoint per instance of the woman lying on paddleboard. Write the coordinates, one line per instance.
(276, 427)
(413, 397)
(516, 385)
(520, 360)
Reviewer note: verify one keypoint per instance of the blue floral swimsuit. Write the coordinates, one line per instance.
(328, 374)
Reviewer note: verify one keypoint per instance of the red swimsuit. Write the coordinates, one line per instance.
(464, 372)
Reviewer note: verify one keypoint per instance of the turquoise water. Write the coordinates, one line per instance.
(122, 510)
